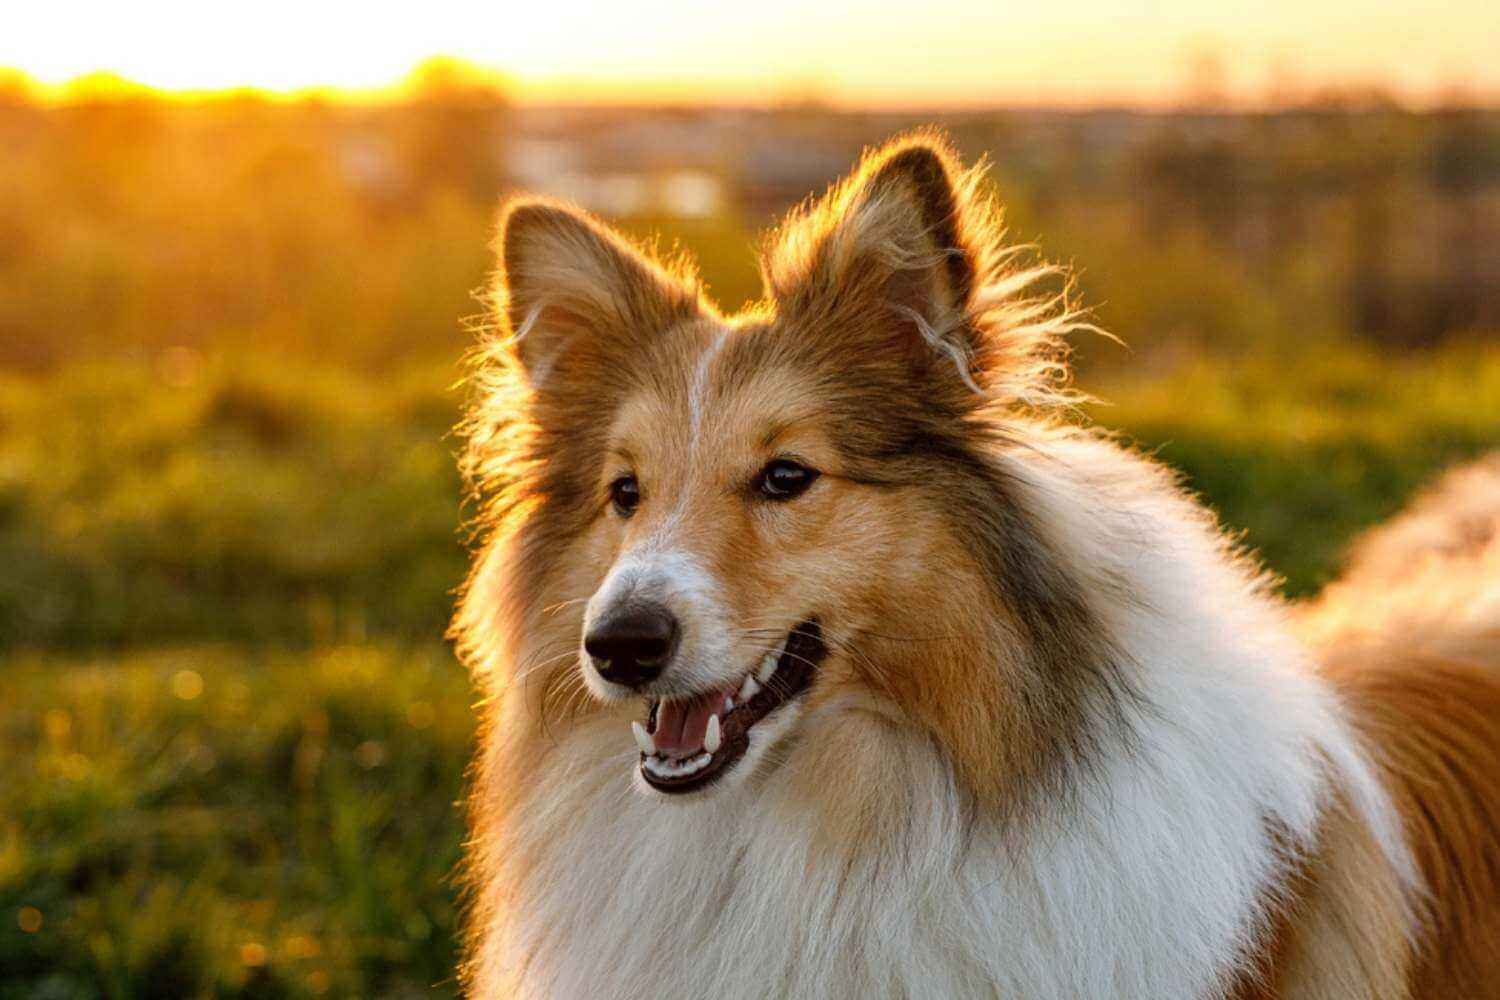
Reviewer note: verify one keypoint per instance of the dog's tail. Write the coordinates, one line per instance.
(1409, 636)
(1428, 580)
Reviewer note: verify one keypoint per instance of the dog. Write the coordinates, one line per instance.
(823, 653)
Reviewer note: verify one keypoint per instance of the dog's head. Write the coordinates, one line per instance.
(735, 522)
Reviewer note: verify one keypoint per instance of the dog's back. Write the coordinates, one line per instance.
(1410, 637)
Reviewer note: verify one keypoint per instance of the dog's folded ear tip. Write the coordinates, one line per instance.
(925, 175)
(922, 158)
(525, 214)
(569, 284)
(919, 159)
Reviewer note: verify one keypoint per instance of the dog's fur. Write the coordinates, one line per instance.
(1065, 743)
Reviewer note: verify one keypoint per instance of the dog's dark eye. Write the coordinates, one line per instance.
(783, 480)
(625, 494)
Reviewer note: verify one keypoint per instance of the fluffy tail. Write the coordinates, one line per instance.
(1428, 580)
(1410, 637)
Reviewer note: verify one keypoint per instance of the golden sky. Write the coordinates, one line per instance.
(951, 52)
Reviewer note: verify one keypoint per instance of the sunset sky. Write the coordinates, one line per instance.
(940, 52)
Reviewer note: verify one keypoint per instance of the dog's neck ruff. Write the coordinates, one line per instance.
(1151, 880)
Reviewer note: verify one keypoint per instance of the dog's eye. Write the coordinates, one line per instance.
(783, 480)
(625, 494)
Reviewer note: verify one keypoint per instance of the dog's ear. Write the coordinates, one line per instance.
(578, 297)
(884, 254)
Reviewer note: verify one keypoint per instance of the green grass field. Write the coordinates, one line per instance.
(219, 821)
(232, 742)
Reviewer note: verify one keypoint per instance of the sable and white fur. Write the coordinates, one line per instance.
(1123, 772)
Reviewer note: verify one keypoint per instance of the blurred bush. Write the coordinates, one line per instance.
(132, 225)
(1298, 452)
(242, 500)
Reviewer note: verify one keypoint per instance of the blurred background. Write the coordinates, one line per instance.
(239, 251)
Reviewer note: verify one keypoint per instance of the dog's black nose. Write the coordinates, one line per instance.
(631, 645)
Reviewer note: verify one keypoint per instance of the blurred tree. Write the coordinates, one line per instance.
(1465, 170)
(457, 126)
(1190, 178)
(16, 88)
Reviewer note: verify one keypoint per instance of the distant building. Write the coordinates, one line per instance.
(620, 174)
(684, 163)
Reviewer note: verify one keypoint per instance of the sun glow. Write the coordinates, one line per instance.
(953, 53)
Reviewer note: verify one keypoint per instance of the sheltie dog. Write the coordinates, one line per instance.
(823, 653)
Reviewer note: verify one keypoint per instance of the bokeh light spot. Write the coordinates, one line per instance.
(370, 754)
(187, 684)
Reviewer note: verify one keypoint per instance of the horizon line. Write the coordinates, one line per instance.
(471, 81)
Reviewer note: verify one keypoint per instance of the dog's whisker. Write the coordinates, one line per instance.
(553, 609)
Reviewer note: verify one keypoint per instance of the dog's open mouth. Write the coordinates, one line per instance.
(687, 743)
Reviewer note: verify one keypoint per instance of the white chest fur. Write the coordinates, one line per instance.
(1150, 889)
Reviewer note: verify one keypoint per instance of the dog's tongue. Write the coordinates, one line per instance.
(681, 725)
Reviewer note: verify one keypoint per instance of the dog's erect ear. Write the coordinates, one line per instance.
(886, 250)
(577, 295)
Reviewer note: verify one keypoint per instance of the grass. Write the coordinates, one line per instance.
(235, 501)
(212, 821)
(232, 746)
(1300, 454)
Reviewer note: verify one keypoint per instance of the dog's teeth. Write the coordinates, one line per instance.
(643, 739)
(749, 689)
(728, 704)
(692, 765)
(711, 737)
(767, 667)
